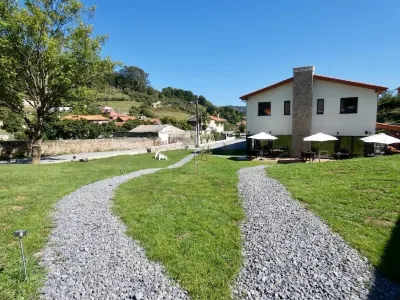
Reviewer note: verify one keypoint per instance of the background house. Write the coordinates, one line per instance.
(306, 104)
(214, 124)
(165, 133)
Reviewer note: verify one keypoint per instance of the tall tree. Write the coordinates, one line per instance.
(48, 57)
(133, 78)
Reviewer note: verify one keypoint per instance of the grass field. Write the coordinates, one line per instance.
(27, 194)
(120, 106)
(188, 222)
(124, 106)
(168, 112)
(359, 199)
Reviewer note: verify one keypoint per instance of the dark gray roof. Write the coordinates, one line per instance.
(154, 128)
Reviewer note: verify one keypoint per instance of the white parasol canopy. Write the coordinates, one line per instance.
(319, 137)
(380, 138)
(263, 136)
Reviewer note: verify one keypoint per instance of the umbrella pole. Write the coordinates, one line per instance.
(319, 152)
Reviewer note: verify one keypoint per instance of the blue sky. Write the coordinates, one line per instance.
(224, 49)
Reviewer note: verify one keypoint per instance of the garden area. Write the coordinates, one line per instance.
(359, 199)
(27, 196)
(188, 218)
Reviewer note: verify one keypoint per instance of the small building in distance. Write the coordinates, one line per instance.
(96, 119)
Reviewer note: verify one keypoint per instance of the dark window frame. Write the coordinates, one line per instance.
(343, 111)
(319, 111)
(260, 109)
(286, 108)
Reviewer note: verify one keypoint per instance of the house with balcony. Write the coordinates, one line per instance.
(306, 103)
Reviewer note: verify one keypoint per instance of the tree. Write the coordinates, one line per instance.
(134, 111)
(389, 108)
(242, 127)
(133, 78)
(48, 58)
(147, 112)
(12, 123)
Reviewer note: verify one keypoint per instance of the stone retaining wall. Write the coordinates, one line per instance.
(18, 149)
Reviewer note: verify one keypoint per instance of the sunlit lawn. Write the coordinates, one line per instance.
(190, 223)
(359, 199)
(27, 194)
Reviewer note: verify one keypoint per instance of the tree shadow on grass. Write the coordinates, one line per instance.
(382, 288)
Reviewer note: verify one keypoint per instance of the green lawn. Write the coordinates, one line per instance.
(359, 199)
(121, 106)
(168, 112)
(124, 106)
(188, 222)
(27, 194)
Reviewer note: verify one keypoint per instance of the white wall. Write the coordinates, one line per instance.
(217, 126)
(163, 137)
(332, 121)
(277, 122)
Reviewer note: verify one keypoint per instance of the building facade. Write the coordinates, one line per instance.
(306, 104)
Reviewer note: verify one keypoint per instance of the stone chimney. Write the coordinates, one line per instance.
(218, 116)
(302, 109)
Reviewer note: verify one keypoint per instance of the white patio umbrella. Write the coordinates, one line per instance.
(319, 137)
(380, 138)
(263, 136)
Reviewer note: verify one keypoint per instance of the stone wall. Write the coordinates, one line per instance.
(302, 109)
(17, 149)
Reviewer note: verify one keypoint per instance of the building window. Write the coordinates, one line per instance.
(286, 108)
(264, 108)
(348, 105)
(320, 106)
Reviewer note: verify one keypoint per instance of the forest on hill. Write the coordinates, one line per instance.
(133, 83)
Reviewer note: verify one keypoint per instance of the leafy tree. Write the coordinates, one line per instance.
(133, 78)
(175, 122)
(232, 115)
(48, 57)
(389, 108)
(147, 112)
(134, 111)
(12, 123)
(242, 127)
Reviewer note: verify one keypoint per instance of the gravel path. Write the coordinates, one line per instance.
(291, 254)
(89, 256)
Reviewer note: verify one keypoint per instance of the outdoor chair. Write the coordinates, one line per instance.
(307, 156)
(342, 154)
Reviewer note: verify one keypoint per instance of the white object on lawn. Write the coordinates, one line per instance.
(319, 137)
(162, 157)
(380, 138)
(157, 154)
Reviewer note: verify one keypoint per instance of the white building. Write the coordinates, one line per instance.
(215, 124)
(306, 104)
(163, 132)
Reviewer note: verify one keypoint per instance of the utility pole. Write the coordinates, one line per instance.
(197, 125)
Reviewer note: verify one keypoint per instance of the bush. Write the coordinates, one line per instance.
(217, 135)
(134, 111)
(147, 112)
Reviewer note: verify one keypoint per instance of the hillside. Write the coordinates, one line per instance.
(129, 91)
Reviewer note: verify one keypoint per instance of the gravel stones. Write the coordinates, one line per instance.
(291, 254)
(89, 255)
